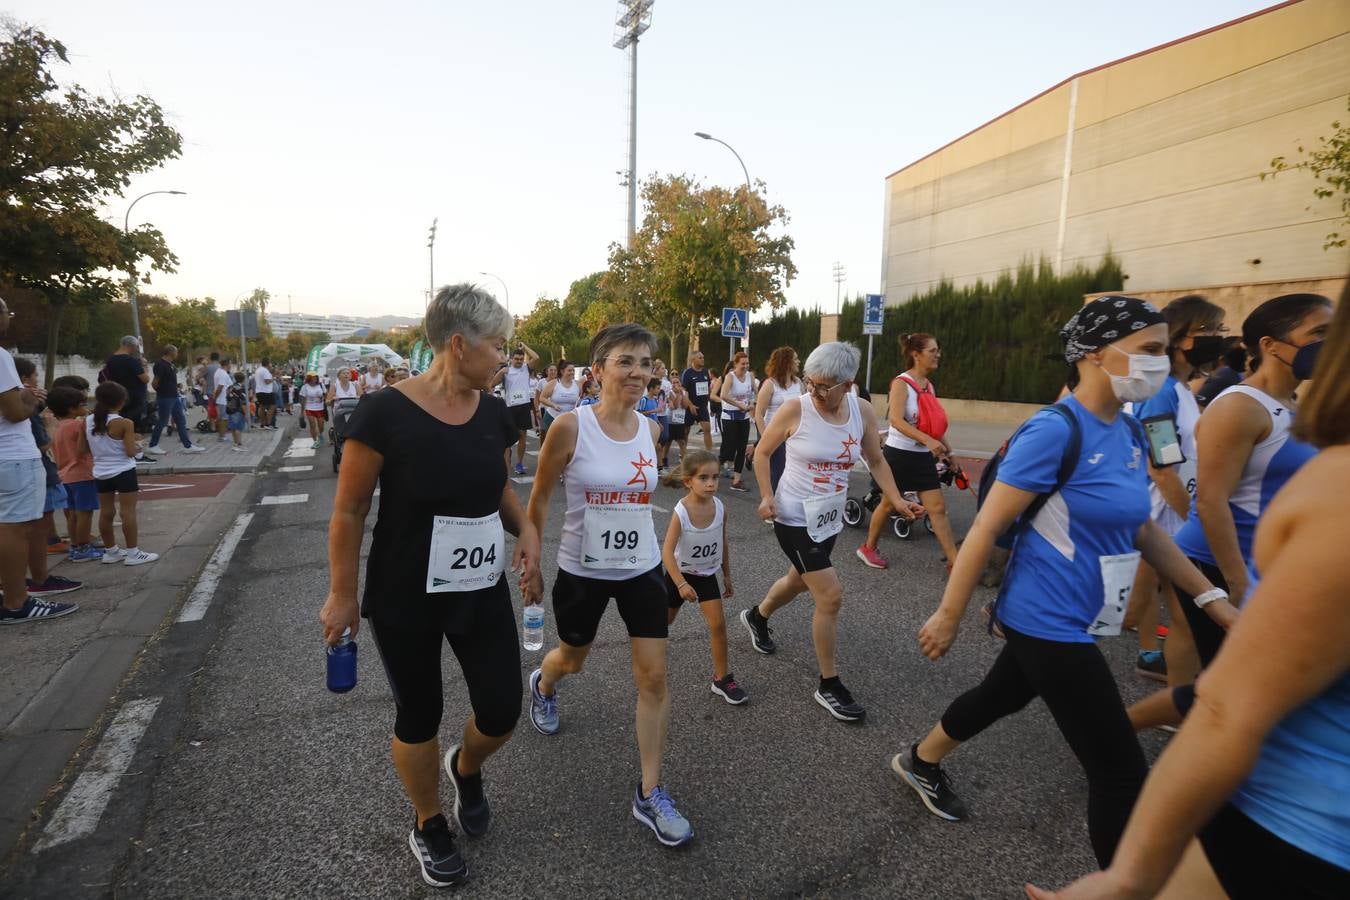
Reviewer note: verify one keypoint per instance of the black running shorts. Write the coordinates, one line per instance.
(522, 416)
(579, 603)
(805, 554)
(705, 586)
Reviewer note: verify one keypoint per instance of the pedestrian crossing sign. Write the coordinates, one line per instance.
(735, 322)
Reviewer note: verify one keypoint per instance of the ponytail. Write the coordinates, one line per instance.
(689, 465)
(109, 397)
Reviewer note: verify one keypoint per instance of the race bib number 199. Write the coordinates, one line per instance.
(466, 554)
(617, 538)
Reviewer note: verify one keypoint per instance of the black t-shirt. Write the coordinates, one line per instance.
(127, 370)
(165, 378)
(691, 378)
(430, 469)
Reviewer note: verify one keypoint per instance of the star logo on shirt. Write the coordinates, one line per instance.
(640, 463)
(847, 454)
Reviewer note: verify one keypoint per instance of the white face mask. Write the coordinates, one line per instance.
(1146, 378)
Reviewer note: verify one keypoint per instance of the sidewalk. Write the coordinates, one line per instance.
(59, 676)
(259, 444)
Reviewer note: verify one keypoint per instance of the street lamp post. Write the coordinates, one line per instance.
(506, 291)
(431, 261)
(131, 289)
(635, 17)
(746, 172)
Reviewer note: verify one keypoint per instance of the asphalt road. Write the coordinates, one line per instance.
(254, 780)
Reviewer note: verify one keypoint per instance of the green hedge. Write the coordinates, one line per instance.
(996, 336)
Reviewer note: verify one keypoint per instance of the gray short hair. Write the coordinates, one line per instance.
(468, 310)
(836, 361)
(170, 348)
(130, 340)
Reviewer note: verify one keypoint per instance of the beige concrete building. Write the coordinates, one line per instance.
(1156, 156)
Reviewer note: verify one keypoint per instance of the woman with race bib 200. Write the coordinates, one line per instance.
(605, 454)
(1071, 570)
(437, 564)
(825, 430)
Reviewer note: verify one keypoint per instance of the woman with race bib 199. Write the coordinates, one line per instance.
(1072, 566)
(826, 430)
(437, 564)
(606, 455)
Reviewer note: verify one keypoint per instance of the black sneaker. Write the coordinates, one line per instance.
(1152, 664)
(471, 805)
(729, 690)
(761, 635)
(434, 847)
(931, 784)
(840, 703)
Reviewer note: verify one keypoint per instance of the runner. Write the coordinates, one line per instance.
(1071, 569)
(561, 395)
(915, 446)
(1247, 453)
(343, 388)
(697, 546)
(550, 375)
(826, 430)
(697, 383)
(437, 564)
(737, 394)
(1259, 773)
(221, 379)
(662, 414)
(373, 380)
(515, 381)
(681, 412)
(780, 385)
(312, 397)
(111, 440)
(606, 455)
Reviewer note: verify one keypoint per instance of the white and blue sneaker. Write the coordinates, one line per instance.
(543, 710)
(658, 813)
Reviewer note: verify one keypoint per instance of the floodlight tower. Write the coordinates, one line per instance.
(635, 17)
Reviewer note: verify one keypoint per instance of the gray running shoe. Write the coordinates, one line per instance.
(543, 710)
(658, 813)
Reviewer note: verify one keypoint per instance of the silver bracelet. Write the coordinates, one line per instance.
(1209, 596)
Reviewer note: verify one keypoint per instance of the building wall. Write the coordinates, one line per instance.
(337, 327)
(1163, 167)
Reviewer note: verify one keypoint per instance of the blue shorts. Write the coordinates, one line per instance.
(83, 496)
(23, 489)
(236, 421)
(56, 499)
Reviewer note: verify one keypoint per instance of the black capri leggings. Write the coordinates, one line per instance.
(735, 438)
(1208, 635)
(489, 656)
(1076, 684)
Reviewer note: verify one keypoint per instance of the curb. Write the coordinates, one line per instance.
(242, 468)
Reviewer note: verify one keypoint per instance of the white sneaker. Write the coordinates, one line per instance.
(237, 449)
(137, 557)
(157, 450)
(113, 555)
(195, 448)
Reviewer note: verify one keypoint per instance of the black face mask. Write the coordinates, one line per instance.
(1205, 349)
(1305, 360)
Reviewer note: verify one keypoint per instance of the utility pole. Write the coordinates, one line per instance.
(839, 276)
(635, 17)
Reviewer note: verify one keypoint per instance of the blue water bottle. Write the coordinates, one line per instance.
(342, 664)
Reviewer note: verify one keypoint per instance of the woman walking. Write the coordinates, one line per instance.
(780, 385)
(737, 394)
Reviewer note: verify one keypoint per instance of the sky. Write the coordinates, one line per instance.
(320, 139)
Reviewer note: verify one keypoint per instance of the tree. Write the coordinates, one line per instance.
(1329, 163)
(257, 301)
(552, 329)
(191, 325)
(63, 154)
(699, 249)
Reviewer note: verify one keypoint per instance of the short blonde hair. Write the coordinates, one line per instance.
(465, 309)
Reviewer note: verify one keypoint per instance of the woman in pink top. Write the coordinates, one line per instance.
(76, 465)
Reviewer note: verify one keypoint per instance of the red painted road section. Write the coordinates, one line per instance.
(182, 487)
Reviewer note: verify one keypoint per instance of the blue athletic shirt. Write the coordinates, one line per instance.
(1053, 587)
(1300, 788)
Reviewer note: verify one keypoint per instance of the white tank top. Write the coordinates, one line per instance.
(609, 486)
(699, 551)
(373, 382)
(819, 457)
(564, 397)
(742, 391)
(896, 438)
(516, 384)
(340, 394)
(110, 455)
(780, 396)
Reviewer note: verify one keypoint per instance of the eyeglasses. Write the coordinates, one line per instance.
(626, 364)
(822, 391)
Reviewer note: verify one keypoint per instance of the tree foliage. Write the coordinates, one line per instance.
(64, 153)
(193, 326)
(1328, 163)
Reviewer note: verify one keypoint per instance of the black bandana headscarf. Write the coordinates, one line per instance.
(1105, 321)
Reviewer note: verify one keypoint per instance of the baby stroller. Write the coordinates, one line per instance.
(342, 411)
(855, 509)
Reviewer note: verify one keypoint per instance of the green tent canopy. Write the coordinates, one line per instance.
(328, 357)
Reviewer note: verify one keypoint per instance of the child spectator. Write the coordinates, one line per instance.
(76, 467)
(236, 408)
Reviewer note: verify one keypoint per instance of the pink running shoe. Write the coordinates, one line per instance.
(872, 557)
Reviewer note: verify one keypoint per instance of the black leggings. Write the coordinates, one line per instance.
(1076, 684)
(488, 654)
(735, 438)
(1208, 635)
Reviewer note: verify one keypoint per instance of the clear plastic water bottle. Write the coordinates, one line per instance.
(342, 664)
(533, 618)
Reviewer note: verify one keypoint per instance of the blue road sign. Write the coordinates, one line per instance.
(735, 322)
(874, 307)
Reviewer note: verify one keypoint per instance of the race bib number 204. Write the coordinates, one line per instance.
(466, 554)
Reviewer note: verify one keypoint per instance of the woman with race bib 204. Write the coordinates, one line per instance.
(1072, 566)
(437, 564)
(605, 454)
(825, 430)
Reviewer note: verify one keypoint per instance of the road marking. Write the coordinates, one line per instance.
(296, 469)
(149, 487)
(660, 509)
(523, 479)
(281, 499)
(80, 811)
(531, 452)
(205, 589)
(300, 448)
(377, 493)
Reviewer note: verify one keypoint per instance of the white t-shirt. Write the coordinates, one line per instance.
(313, 395)
(16, 438)
(262, 381)
(373, 381)
(223, 381)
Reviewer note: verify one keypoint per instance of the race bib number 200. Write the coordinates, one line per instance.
(466, 554)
